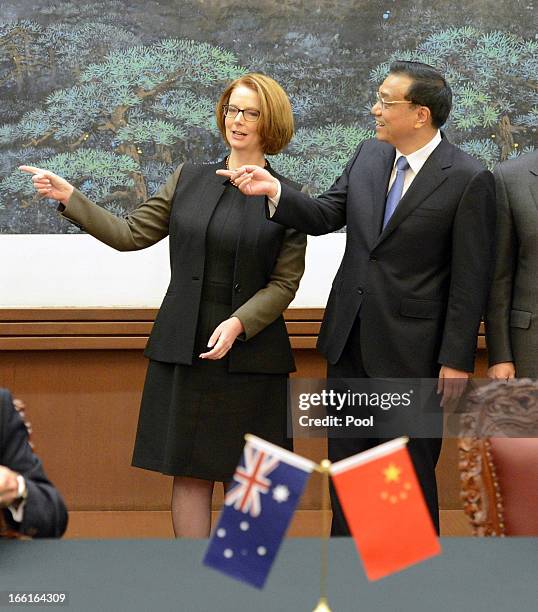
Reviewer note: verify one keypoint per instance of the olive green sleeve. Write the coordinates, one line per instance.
(269, 303)
(145, 226)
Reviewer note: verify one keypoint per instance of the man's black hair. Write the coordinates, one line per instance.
(428, 88)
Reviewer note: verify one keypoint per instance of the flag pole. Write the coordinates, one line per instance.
(323, 604)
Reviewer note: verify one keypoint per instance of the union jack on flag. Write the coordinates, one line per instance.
(251, 527)
(251, 481)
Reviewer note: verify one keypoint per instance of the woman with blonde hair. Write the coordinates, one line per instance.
(219, 350)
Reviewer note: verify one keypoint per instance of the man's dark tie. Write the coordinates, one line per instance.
(395, 192)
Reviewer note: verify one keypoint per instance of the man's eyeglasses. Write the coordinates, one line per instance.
(386, 104)
(249, 114)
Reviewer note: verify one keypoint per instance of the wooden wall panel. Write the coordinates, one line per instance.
(83, 406)
(81, 374)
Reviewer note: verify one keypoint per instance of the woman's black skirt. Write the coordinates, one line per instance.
(193, 418)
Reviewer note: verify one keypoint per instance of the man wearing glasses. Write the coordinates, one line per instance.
(409, 294)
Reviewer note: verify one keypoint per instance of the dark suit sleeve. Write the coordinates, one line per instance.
(500, 298)
(473, 237)
(45, 515)
(315, 216)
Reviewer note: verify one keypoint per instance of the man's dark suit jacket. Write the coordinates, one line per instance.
(420, 284)
(45, 515)
(512, 313)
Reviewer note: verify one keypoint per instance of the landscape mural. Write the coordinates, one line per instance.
(113, 95)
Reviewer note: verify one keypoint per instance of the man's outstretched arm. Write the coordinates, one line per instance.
(292, 208)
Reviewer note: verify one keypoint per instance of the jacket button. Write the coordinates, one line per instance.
(360, 290)
(237, 288)
(373, 258)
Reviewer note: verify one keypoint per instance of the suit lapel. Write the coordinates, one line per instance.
(430, 176)
(380, 173)
(253, 213)
(210, 195)
(253, 220)
(533, 186)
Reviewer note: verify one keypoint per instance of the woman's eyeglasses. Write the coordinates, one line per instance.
(249, 114)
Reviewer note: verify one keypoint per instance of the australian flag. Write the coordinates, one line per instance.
(258, 508)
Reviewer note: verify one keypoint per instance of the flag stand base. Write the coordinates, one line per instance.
(322, 606)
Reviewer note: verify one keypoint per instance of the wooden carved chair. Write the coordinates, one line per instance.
(5, 531)
(498, 458)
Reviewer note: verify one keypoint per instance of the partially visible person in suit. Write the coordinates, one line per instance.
(512, 313)
(411, 289)
(219, 350)
(29, 503)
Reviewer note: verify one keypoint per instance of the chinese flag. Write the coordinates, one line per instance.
(385, 508)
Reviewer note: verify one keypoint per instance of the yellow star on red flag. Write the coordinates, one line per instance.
(392, 473)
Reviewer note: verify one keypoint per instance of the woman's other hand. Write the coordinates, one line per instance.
(48, 184)
(222, 338)
(252, 180)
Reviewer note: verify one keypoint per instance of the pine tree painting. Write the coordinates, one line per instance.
(119, 119)
(494, 77)
(113, 95)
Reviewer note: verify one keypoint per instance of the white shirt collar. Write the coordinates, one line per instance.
(418, 158)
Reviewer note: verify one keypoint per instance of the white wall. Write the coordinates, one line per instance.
(78, 271)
